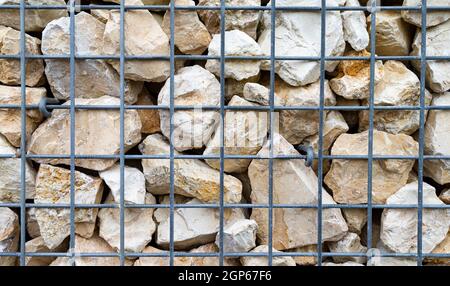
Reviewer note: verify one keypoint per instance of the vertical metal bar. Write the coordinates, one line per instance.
(23, 138)
(423, 54)
(271, 126)
(122, 133)
(172, 112)
(222, 127)
(323, 26)
(72, 131)
(371, 118)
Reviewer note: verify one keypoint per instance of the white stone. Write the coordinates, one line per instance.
(193, 177)
(37, 245)
(349, 243)
(237, 43)
(264, 261)
(437, 72)
(193, 86)
(134, 184)
(101, 138)
(293, 183)
(399, 226)
(355, 27)
(433, 17)
(239, 236)
(138, 223)
(445, 196)
(294, 38)
(437, 133)
(10, 181)
(94, 78)
(9, 235)
(254, 92)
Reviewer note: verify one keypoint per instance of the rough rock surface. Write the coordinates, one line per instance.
(139, 225)
(293, 183)
(94, 78)
(194, 86)
(445, 196)
(294, 38)
(305, 260)
(353, 79)
(52, 136)
(442, 248)
(191, 35)
(399, 226)
(437, 133)
(149, 117)
(244, 134)
(10, 181)
(296, 125)
(433, 17)
(143, 36)
(391, 261)
(10, 68)
(36, 20)
(355, 218)
(37, 245)
(349, 243)
(437, 72)
(9, 235)
(393, 35)
(244, 20)
(32, 225)
(355, 27)
(193, 226)
(399, 87)
(351, 117)
(254, 92)
(53, 187)
(348, 178)
(11, 118)
(193, 177)
(239, 236)
(264, 261)
(134, 184)
(237, 43)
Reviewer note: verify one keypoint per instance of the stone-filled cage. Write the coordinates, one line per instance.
(351, 169)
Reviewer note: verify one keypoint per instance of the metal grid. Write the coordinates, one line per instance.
(171, 254)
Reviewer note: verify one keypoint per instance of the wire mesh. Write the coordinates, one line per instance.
(272, 108)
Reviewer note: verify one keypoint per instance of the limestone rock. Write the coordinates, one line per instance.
(349, 243)
(145, 2)
(264, 261)
(437, 72)
(298, 33)
(191, 35)
(193, 177)
(348, 178)
(296, 125)
(445, 196)
(237, 43)
(36, 19)
(10, 181)
(433, 17)
(139, 225)
(391, 261)
(393, 35)
(101, 15)
(197, 87)
(149, 117)
(37, 245)
(293, 183)
(243, 20)
(53, 187)
(52, 136)
(353, 79)
(134, 184)
(305, 260)
(239, 236)
(10, 68)
(254, 92)
(399, 226)
(9, 235)
(193, 226)
(236, 87)
(355, 27)
(32, 224)
(143, 36)
(347, 263)
(442, 248)
(399, 87)
(355, 218)
(244, 134)
(436, 140)
(351, 117)
(334, 126)
(94, 78)
(11, 118)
